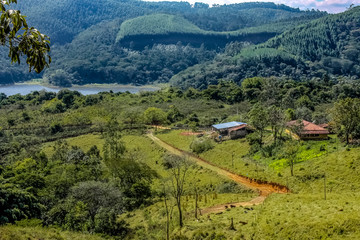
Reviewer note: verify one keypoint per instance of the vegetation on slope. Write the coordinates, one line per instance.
(157, 24)
(327, 45)
(62, 183)
(23, 232)
(164, 29)
(96, 25)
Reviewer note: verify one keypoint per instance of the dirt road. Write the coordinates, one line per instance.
(264, 188)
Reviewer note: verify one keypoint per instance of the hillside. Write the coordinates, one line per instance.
(327, 45)
(332, 42)
(157, 24)
(68, 23)
(93, 167)
(170, 29)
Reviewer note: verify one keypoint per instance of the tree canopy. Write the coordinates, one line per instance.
(23, 40)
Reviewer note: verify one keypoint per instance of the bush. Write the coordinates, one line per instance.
(90, 206)
(229, 187)
(253, 139)
(54, 106)
(55, 128)
(29, 222)
(17, 204)
(201, 145)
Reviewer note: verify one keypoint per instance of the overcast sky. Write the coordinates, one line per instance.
(331, 6)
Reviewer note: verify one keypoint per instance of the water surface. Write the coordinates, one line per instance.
(24, 89)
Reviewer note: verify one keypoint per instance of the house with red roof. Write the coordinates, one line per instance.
(308, 130)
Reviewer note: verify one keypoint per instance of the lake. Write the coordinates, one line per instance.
(24, 89)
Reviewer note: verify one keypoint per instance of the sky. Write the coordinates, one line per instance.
(331, 6)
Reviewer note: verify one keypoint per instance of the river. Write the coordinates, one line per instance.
(24, 89)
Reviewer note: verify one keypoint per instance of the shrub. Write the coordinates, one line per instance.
(55, 128)
(201, 145)
(229, 187)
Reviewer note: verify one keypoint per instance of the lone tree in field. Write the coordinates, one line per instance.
(178, 168)
(290, 151)
(21, 39)
(346, 115)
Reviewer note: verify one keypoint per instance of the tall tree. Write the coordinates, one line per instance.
(276, 121)
(178, 167)
(259, 120)
(346, 115)
(154, 116)
(23, 40)
(290, 151)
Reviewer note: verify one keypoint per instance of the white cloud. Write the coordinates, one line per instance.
(332, 6)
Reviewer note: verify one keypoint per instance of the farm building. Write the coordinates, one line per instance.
(232, 129)
(307, 130)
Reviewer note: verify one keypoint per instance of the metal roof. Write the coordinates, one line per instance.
(227, 125)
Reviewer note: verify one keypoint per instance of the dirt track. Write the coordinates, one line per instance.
(264, 188)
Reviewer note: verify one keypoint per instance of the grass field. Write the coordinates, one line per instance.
(224, 154)
(147, 151)
(40, 233)
(302, 214)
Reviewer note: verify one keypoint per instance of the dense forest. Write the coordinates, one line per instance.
(327, 45)
(84, 47)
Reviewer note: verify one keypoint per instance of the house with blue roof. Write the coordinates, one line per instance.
(231, 130)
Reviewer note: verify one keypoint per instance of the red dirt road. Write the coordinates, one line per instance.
(264, 188)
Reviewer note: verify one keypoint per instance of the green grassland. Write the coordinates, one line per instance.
(273, 168)
(36, 233)
(140, 147)
(303, 214)
(290, 216)
(321, 167)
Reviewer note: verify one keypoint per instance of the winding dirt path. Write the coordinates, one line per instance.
(264, 188)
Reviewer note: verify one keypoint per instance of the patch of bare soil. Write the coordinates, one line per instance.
(191, 133)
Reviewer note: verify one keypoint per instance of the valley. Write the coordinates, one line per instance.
(126, 119)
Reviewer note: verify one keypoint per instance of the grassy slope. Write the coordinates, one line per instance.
(304, 214)
(37, 233)
(144, 221)
(141, 146)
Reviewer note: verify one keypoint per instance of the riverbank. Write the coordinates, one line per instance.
(31, 86)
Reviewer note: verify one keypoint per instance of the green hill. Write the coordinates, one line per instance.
(75, 27)
(332, 40)
(170, 29)
(157, 24)
(326, 45)
(164, 29)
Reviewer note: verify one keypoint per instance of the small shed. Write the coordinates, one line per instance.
(308, 130)
(232, 129)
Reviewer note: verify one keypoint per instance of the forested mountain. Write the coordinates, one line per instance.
(84, 47)
(329, 45)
